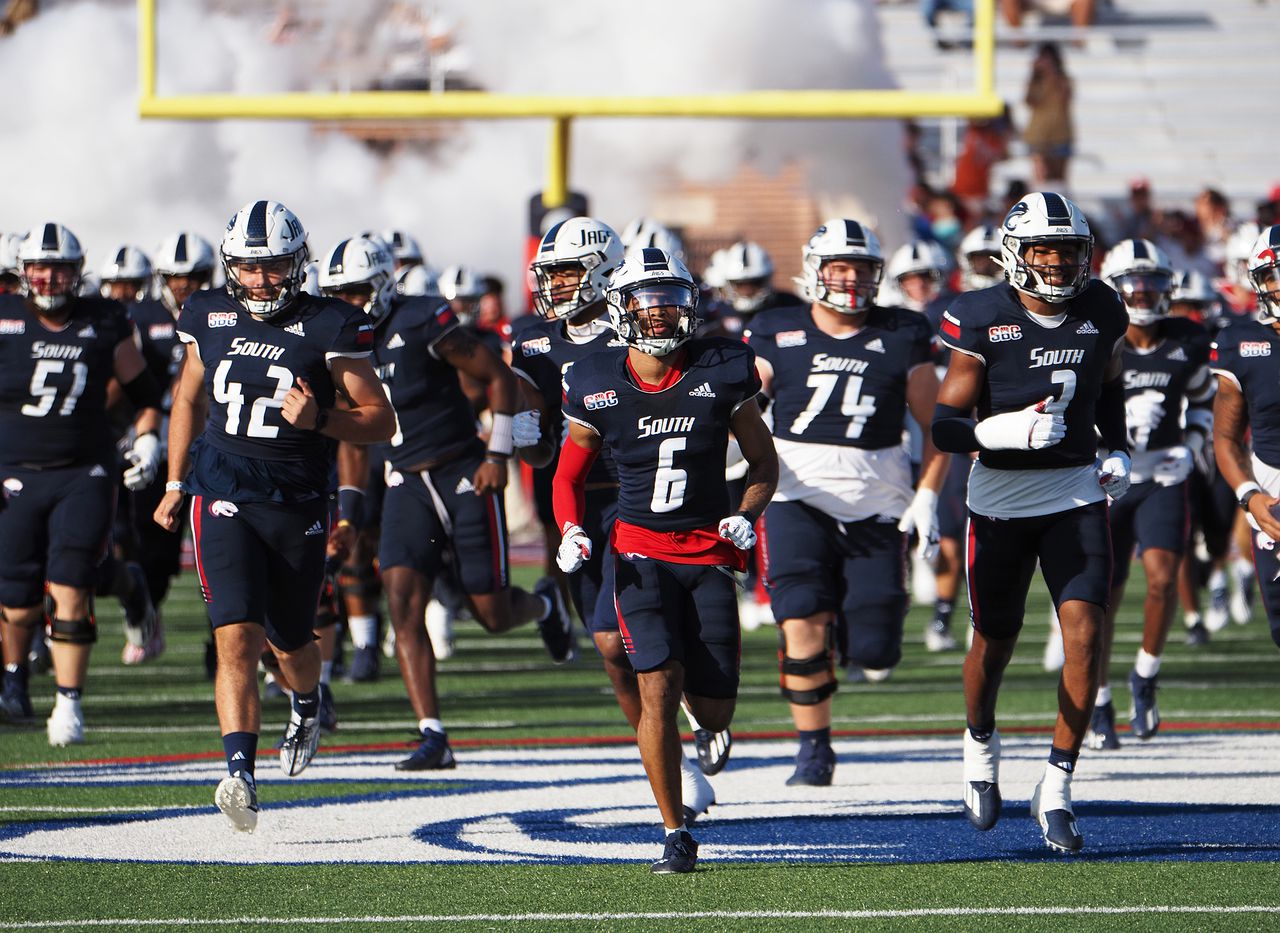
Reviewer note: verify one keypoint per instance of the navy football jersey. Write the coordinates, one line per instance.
(543, 353)
(433, 415)
(161, 347)
(1247, 353)
(53, 383)
(1167, 370)
(669, 445)
(249, 367)
(1028, 361)
(849, 392)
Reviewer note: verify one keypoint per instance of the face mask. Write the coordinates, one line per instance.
(946, 229)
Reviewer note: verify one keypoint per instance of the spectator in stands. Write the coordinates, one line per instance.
(946, 218)
(1213, 212)
(1080, 11)
(931, 8)
(985, 142)
(1180, 236)
(1138, 219)
(1049, 134)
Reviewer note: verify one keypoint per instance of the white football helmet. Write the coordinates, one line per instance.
(713, 276)
(1264, 273)
(644, 233)
(187, 254)
(1238, 252)
(261, 233)
(127, 264)
(647, 279)
(10, 273)
(1193, 289)
(1142, 274)
(1045, 218)
(417, 280)
(582, 246)
(919, 257)
(53, 244)
(849, 240)
(980, 258)
(359, 262)
(405, 249)
(460, 286)
(747, 269)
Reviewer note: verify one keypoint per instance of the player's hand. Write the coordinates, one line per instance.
(1033, 428)
(1143, 413)
(1174, 467)
(300, 407)
(526, 428)
(921, 517)
(341, 540)
(737, 530)
(575, 548)
(490, 477)
(1201, 448)
(1113, 475)
(1261, 517)
(167, 512)
(144, 456)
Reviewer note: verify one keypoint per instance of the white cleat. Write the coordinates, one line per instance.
(238, 799)
(299, 745)
(938, 639)
(65, 724)
(440, 630)
(753, 614)
(924, 584)
(696, 791)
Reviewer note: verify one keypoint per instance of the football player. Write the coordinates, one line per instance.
(917, 273)
(663, 409)
(10, 274)
(1166, 364)
(1248, 406)
(58, 352)
(276, 377)
(842, 374)
(444, 487)
(1039, 358)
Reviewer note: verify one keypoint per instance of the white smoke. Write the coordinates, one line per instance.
(76, 152)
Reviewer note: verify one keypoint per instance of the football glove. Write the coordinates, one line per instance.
(738, 531)
(1033, 428)
(1201, 447)
(575, 548)
(1113, 475)
(1142, 414)
(526, 428)
(1174, 467)
(144, 456)
(921, 517)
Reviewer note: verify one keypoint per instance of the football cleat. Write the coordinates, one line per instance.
(237, 797)
(364, 665)
(1058, 826)
(432, 754)
(1197, 636)
(1102, 729)
(815, 766)
(982, 800)
(713, 749)
(328, 714)
(556, 629)
(137, 654)
(1219, 611)
(299, 745)
(679, 854)
(439, 630)
(139, 614)
(867, 675)
(696, 791)
(1144, 716)
(40, 658)
(1240, 606)
(938, 637)
(65, 724)
(15, 705)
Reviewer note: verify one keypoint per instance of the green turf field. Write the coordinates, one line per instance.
(498, 693)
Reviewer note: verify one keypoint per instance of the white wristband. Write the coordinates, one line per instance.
(1247, 486)
(500, 435)
(175, 485)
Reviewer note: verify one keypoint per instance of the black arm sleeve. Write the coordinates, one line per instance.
(142, 391)
(953, 430)
(1109, 416)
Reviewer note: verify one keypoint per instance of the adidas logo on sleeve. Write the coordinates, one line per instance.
(1087, 328)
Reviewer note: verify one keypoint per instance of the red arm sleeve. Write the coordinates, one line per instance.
(568, 489)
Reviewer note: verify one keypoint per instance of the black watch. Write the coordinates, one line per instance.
(1249, 494)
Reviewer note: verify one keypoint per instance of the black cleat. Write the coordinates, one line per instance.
(1197, 636)
(556, 629)
(815, 766)
(679, 855)
(433, 754)
(328, 713)
(1144, 716)
(982, 804)
(713, 749)
(1102, 729)
(1058, 827)
(365, 665)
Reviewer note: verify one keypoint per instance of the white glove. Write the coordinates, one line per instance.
(1142, 414)
(145, 457)
(1201, 453)
(1113, 475)
(526, 428)
(738, 531)
(1174, 467)
(921, 517)
(575, 548)
(1033, 428)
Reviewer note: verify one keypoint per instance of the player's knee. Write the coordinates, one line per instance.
(81, 631)
(875, 638)
(23, 618)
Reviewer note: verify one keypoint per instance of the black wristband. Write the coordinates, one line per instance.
(322, 418)
(748, 515)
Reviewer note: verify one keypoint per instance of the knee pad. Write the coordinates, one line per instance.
(73, 631)
(819, 663)
(360, 580)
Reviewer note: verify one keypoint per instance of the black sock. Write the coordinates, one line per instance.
(942, 610)
(242, 752)
(815, 737)
(307, 705)
(982, 733)
(1061, 758)
(71, 693)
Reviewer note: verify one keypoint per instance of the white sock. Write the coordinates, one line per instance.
(1147, 665)
(1191, 619)
(364, 630)
(1104, 695)
(62, 701)
(1055, 789)
(982, 759)
(1243, 567)
(688, 714)
(433, 725)
(667, 830)
(326, 671)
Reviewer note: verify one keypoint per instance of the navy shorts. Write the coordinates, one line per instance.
(1148, 516)
(1266, 561)
(437, 510)
(261, 562)
(55, 528)
(542, 505)
(1213, 511)
(681, 612)
(953, 511)
(591, 587)
(1074, 551)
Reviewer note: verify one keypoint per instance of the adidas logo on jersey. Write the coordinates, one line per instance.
(464, 485)
(1087, 328)
(1178, 355)
(87, 332)
(702, 391)
(315, 529)
(395, 343)
(875, 345)
(296, 328)
(98, 470)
